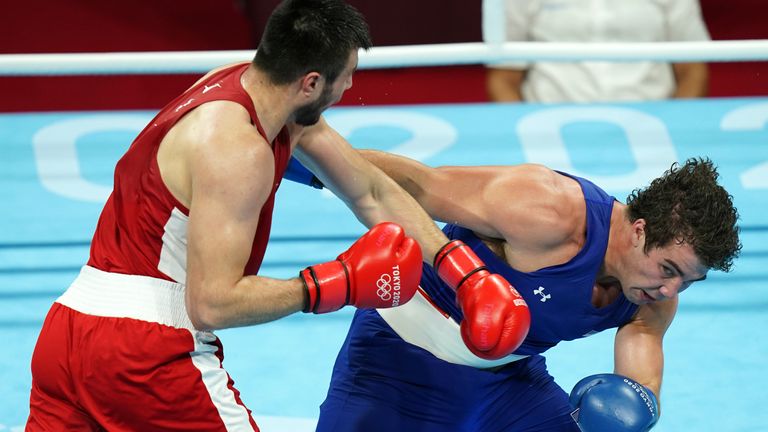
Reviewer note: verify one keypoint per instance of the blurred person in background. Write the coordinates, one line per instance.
(597, 21)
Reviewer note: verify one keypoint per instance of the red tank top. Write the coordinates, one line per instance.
(143, 228)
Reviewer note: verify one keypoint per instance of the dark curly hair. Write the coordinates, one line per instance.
(687, 205)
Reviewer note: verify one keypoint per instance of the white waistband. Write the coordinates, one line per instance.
(100, 293)
(420, 324)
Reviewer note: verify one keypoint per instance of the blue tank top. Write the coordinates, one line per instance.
(559, 297)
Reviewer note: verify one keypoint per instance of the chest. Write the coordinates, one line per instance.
(565, 302)
(603, 293)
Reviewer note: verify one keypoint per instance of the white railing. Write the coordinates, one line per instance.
(390, 56)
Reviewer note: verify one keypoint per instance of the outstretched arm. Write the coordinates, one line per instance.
(221, 169)
(367, 191)
(496, 318)
(628, 400)
(522, 204)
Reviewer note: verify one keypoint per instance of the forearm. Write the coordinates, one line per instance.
(372, 195)
(451, 194)
(252, 300)
(640, 356)
(407, 173)
(650, 376)
(390, 202)
(692, 80)
(629, 399)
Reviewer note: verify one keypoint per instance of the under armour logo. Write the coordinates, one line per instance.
(540, 292)
(207, 89)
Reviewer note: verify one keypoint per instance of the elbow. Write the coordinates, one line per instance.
(204, 322)
(203, 315)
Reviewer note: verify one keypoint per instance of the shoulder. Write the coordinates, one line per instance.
(220, 135)
(220, 120)
(523, 178)
(548, 207)
(217, 70)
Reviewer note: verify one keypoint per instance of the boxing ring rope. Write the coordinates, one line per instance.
(46, 275)
(391, 56)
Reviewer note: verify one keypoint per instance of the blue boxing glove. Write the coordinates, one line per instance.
(613, 403)
(298, 173)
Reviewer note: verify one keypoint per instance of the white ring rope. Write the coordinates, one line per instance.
(391, 56)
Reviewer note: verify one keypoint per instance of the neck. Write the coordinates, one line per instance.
(270, 101)
(618, 241)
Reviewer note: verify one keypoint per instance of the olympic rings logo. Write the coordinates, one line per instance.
(384, 285)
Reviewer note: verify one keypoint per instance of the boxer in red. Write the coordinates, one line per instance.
(177, 250)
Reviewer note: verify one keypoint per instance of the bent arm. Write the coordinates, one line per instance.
(227, 193)
(638, 349)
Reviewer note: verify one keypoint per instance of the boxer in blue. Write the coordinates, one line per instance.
(582, 261)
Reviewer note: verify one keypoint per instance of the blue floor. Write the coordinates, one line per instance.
(55, 172)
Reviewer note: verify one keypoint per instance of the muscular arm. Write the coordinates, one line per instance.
(520, 204)
(638, 350)
(230, 173)
(496, 318)
(367, 191)
(692, 80)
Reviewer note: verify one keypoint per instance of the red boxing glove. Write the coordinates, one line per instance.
(496, 318)
(381, 269)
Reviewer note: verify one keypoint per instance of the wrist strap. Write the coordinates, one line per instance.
(311, 292)
(456, 262)
(444, 251)
(327, 287)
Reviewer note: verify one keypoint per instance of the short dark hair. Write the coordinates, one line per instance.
(303, 36)
(687, 205)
